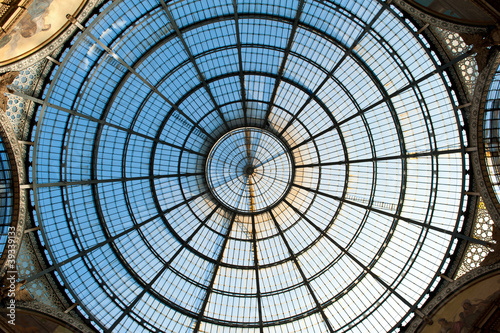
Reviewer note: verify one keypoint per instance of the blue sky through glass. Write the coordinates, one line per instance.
(348, 87)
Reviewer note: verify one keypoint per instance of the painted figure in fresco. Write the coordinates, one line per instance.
(474, 309)
(450, 326)
(471, 312)
(32, 23)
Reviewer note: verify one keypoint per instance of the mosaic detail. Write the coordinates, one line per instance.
(483, 230)
(17, 107)
(27, 264)
(467, 67)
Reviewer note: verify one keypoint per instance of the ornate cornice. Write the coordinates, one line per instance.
(437, 22)
(35, 306)
(476, 126)
(451, 289)
(19, 210)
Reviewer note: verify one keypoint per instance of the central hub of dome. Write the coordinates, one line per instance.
(249, 170)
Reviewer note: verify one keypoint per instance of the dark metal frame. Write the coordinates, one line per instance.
(205, 84)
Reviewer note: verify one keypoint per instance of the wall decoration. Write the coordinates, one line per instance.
(469, 309)
(43, 21)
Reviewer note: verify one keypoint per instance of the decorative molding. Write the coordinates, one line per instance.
(437, 22)
(476, 129)
(55, 313)
(55, 44)
(16, 160)
(451, 289)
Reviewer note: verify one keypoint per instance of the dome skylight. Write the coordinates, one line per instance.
(249, 166)
(249, 170)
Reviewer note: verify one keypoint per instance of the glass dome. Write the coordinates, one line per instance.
(249, 166)
(249, 170)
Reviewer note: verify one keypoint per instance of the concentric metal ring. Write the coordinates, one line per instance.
(143, 171)
(249, 170)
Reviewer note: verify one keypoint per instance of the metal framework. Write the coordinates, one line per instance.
(491, 133)
(152, 206)
(6, 197)
(249, 170)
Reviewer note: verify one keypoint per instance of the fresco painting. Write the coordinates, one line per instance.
(42, 22)
(462, 313)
